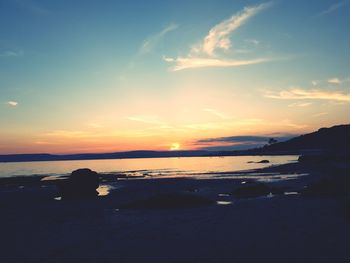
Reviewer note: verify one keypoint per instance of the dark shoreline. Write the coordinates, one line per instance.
(178, 220)
(136, 155)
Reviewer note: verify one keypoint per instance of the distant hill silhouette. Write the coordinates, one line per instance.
(336, 138)
(96, 156)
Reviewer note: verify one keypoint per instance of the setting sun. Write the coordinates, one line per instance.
(175, 146)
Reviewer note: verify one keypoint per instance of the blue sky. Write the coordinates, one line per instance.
(79, 76)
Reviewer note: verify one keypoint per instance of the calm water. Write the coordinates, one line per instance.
(150, 167)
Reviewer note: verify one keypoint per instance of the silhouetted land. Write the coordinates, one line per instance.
(96, 156)
(334, 140)
(266, 219)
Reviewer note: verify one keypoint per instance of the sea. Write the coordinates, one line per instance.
(197, 167)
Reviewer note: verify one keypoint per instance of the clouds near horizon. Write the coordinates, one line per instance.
(239, 142)
(313, 94)
(334, 81)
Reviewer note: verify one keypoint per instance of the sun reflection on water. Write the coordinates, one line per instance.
(104, 190)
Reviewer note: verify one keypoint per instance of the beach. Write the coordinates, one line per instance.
(199, 221)
(174, 131)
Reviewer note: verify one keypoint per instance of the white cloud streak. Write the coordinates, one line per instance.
(300, 104)
(204, 54)
(333, 8)
(219, 36)
(190, 63)
(151, 42)
(301, 94)
(12, 103)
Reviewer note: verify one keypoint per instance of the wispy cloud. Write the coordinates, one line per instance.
(12, 103)
(94, 125)
(204, 54)
(227, 124)
(145, 119)
(320, 114)
(67, 133)
(217, 113)
(190, 62)
(236, 139)
(334, 81)
(300, 94)
(253, 41)
(238, 142)
(300, 104)
(219, 36)
(291, 124)
(11, 53)
(151, 42)
(333, 7)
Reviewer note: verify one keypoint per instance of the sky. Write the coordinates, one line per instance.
(105, 76)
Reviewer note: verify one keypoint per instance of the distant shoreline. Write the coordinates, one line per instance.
(153, 216)
(332, 141)
(12, 158)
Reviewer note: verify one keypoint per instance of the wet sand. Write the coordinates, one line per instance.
(287, 227)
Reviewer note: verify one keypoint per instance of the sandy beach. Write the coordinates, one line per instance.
(130, 225)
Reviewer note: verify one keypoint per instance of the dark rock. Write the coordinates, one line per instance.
(263, 161)
(82, 183)
(170, 200)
